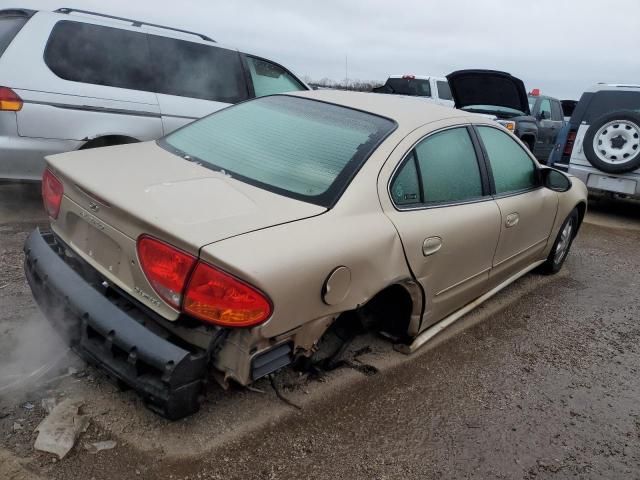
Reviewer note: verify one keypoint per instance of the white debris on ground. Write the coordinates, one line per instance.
(99, 446)
(59, 431)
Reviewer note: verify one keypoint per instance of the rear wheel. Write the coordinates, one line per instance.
(562, 244)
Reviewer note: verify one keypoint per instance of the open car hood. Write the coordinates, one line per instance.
(488, 87)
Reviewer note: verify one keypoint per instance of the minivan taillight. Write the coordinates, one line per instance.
(52, 191)
(166, 268)
(9, 100)
(199, 289)
(568, 146)
(214, 296)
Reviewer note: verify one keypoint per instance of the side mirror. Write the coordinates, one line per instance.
(555, 180)
(543, 116)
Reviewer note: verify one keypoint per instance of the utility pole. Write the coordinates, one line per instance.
(346, 70)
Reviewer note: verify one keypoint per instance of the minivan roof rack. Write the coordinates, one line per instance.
(135, 23)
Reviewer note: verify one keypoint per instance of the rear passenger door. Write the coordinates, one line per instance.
(527, 209)
(268, 78)
(194, 79)
(447, 221)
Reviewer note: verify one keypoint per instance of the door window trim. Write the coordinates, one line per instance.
(410, 155)
(487, 164)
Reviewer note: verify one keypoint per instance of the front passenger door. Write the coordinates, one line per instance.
(447, 221)
(527, 209)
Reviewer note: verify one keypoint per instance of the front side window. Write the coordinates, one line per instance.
(189, 69)
(512, 168)
(545, 109)
(444, 92)
(269, 78)
(443, 168)
(113, 57)
(300, 148)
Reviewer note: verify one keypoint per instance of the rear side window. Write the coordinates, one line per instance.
(9, 28)
(189, 69)
(269, 78)
(443, 168)
(99, 55)
(556, 110)
(444, 92)
(512, 168)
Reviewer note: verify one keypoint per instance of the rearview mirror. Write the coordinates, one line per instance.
(555, 180)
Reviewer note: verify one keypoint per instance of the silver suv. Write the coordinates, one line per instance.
(602, 146)
(73, 79)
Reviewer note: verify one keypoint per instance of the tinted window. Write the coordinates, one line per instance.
(409, 86)
(545, 108)
(99, 55)
(269, 78)
(189, 69)
(512, 167)
(556, 110)
(297, 147)
(449, 167)
(608, 102)
(405, 188)
(444, 92)
(9, 28)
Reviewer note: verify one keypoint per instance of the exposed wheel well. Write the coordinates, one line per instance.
(108, 140)
(389, 311)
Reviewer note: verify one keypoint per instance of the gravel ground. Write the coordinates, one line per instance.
(541, 382)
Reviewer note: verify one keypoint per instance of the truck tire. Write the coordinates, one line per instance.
(612, 142)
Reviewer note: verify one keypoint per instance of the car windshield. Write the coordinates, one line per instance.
(504, 111)
(409, 86)
(301, 148)
(610, 101)
(532, 103)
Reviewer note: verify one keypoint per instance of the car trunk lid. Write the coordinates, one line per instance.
(488, 87)
(113, 195)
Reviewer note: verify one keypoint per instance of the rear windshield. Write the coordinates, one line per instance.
(409, 86)
(608, 102)
(300, 148)
(9, 28)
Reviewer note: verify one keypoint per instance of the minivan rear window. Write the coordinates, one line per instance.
(9, 28)
(301, 148)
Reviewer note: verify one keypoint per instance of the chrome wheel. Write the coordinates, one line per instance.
(617, 142)
(565, 240)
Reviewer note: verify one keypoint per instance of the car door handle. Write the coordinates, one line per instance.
(512, 220)
(431, 245)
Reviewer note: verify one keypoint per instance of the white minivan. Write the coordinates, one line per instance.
(73, 79)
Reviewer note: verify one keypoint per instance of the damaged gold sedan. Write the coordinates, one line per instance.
(232, 245)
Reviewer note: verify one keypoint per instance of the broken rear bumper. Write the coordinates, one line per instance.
(168, 377)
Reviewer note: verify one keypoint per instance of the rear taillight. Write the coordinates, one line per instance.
(216, 297)
(568, 146)
(166, 268)
(9, 100)
(199, 289)
(52, 191)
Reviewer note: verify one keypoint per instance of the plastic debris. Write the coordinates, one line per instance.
(59, 431)
(28, 406)
(16, 426)
(99, 446)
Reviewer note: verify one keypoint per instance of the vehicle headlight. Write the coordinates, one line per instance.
(508, 124)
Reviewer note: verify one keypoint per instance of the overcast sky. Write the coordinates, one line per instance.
(559, 46)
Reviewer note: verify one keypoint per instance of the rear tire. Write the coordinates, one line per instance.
(562, 244)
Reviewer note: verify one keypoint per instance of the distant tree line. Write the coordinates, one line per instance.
(354, 85)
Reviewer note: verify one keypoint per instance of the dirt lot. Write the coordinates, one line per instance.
(540, 382)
